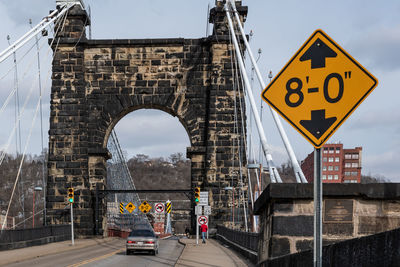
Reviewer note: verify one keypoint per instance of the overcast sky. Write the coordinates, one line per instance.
(368, 30)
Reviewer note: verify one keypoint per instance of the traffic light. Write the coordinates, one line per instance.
(196, 194)
(70, 195)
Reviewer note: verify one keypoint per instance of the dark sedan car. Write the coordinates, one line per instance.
(142, 240)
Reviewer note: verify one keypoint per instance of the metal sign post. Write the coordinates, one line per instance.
(197, 230)
(72, 224)
(317, 209)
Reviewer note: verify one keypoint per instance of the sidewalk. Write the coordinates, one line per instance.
(207, 255)
(22, 254)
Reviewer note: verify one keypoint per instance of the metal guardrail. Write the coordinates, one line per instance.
(244, 239)
(12, 236)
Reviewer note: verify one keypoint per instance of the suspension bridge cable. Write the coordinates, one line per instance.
(55, 15)
(119, 178)
(240, 137)
(26, 71)
(234, 128)
(297, 170)
(36, 214)
(242, 115)
(18, 131)
(20, 165)
(273, 173)
(5, 149)
(41, 127)
(30, 132)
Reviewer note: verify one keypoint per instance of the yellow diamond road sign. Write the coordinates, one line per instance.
(319, 88)
(130, 207)
(145, 207)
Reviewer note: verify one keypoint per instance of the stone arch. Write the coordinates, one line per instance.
(96, 82)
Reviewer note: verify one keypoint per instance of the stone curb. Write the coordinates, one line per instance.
(184, 246)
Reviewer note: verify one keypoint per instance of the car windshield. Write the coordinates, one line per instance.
(146, 233)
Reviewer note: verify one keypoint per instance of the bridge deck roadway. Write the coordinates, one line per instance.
(111, 252)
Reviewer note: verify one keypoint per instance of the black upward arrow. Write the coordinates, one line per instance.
(318, 52)
(318, 124)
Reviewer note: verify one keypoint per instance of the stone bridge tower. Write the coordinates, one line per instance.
(97, 82)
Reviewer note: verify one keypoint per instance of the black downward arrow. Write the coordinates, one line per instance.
(318, 124)
(317, 53)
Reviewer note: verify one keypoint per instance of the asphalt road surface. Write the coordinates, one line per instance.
(109, 254)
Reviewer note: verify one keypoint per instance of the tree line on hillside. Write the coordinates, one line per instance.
(160, 173)
(31, 176)
(147, 172)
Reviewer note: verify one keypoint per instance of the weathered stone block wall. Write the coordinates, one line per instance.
(97, 82)
(287, 215)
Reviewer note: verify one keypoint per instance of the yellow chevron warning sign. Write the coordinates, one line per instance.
(121, 207)
(168, 207)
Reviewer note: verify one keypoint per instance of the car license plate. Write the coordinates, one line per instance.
(140, 243)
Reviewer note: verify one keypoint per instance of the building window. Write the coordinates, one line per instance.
(336, 177)
(354, 156)
(347, 165)
(331, 150)
(354, 165)
(347, 156)
(336, 168)
(323, 177)
(338, 150)
(337, 159)
(346, 181)
(354, 173)
(325, 150)
(324, 168)
(346, 173)
(324, 159)
(330, 159)
(329, 177)
(330, 168)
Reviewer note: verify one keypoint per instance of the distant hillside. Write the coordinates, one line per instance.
(160, 173)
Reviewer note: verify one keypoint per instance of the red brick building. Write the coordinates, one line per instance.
(339, 165)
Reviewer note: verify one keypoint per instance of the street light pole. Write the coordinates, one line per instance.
(33, 210)
(37, 188)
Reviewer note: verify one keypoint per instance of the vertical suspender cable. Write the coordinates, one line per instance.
(240, 141)
(273, 173)
(29, 135)
(18, 130)
(41, 128)
(297, 170)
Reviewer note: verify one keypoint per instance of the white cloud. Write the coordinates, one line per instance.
(378, 46)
